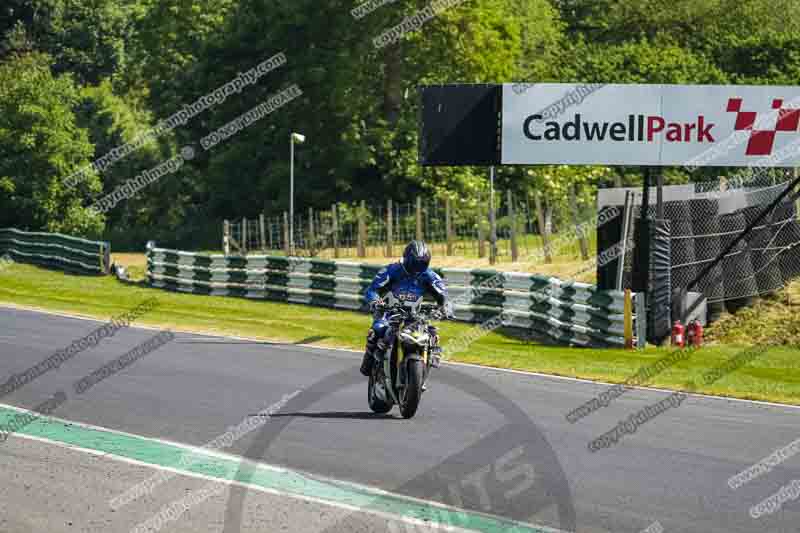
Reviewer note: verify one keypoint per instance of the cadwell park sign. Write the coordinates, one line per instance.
(653, 125)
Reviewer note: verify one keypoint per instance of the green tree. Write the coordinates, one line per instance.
(84, 37)
(359, 108)
(41, 145)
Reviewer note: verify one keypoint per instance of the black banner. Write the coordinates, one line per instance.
(460, 125)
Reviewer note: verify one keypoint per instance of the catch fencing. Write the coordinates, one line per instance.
(705, 218)
(569, 313)
(57, 251)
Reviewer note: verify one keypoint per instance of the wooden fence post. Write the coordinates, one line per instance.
(335, 232)
(419, 219)
(271, 243)
(389, 236)
(513, 221)
(311, 245)
(573, 204)
(448, 223)
(543, 230)
(244, 236)
(286, 233)
(261, 226)
(362, 230)
(226, 237)
(481, 239)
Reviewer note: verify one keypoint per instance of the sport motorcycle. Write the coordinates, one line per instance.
(405, 355)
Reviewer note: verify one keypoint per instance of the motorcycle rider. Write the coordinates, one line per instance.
(407, 280)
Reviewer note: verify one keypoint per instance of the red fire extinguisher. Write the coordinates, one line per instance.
(677, 334)
(694, 335)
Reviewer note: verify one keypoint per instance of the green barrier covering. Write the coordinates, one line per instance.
(569, 313)
(57, 251)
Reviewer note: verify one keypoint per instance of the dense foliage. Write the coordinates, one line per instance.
(79, 78)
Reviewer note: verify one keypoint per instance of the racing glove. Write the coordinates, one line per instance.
(374, 305)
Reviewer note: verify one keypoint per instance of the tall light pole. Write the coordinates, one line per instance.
(299, 139)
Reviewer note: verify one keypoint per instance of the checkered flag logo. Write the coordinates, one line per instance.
(763, 132)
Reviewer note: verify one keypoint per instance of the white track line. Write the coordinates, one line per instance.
(265, 466)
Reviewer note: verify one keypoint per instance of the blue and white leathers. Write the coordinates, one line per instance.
(404, 286)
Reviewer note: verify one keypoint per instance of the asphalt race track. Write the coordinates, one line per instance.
(494, 444)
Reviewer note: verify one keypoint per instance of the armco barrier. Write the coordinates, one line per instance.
(567, 312)
(56, 251)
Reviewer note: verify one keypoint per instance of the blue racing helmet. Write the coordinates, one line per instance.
(416, 258)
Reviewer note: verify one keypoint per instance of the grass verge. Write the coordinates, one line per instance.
(775, 376)
(772, 317)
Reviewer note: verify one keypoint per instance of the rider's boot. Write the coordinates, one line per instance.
(435, 351)
(436, 356)
(369, 358)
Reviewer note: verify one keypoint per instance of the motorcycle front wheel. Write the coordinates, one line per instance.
(412, 392)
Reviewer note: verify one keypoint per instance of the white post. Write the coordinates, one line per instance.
(626, 210)
(492, 220)
(300, 139)
(641, 320)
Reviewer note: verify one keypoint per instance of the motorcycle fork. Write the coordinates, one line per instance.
(391, 341)
(400, 376)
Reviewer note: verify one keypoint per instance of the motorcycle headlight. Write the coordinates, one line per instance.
(414, 337)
